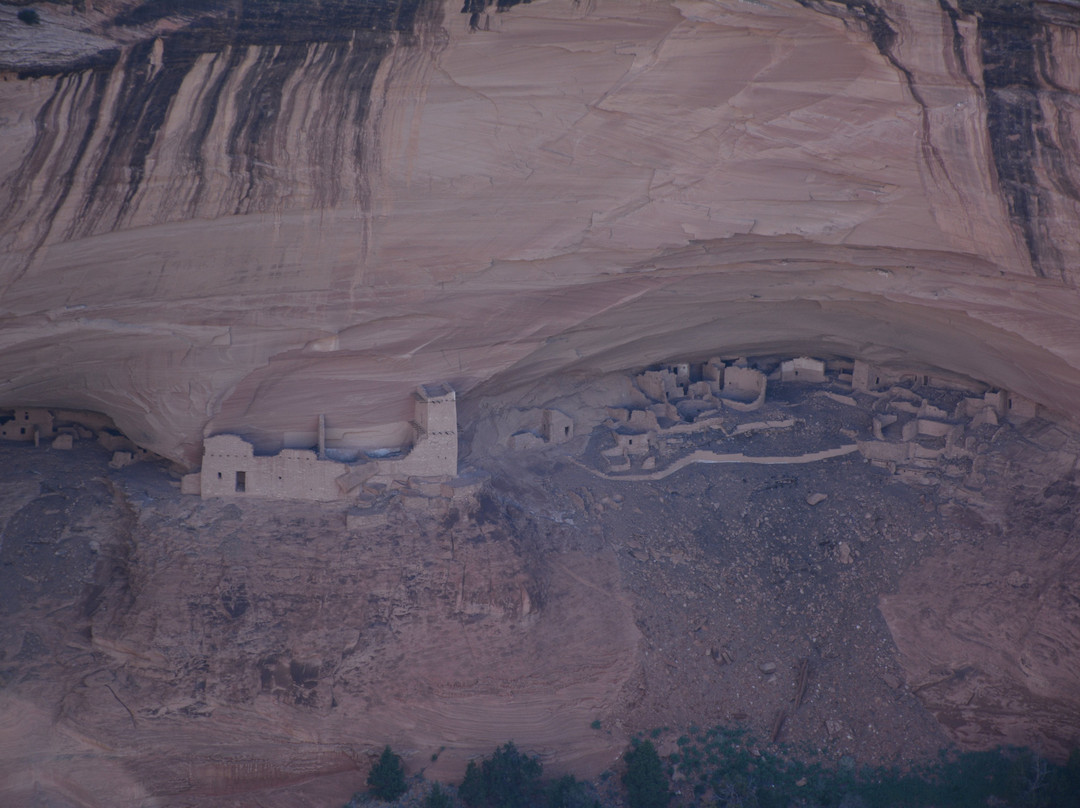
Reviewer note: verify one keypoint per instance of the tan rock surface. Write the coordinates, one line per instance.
(989, 627)
(221, 234)
(203, 653)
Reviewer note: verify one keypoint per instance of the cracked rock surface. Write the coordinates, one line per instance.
(220, 220)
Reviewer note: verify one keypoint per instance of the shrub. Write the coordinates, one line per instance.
(646, 785)
(437, 798)
(508, 779)
(29, 16)
(386, 780)
(568, 792)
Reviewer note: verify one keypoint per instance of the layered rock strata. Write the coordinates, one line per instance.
(233, 218)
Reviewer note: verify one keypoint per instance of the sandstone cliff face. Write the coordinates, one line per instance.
(173, 651)
(234, 218)
(988, 628)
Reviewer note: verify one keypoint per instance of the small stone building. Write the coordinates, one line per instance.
(744, 388)
(230, 467)
(802, 369)
(557, 427)
(28, 425)
(660, 385)
(1019, 408)
(630, 442)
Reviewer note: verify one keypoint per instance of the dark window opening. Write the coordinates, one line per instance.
(566, 431)
(22, 430)
(219, 475)
(26, 416)
(241, 482)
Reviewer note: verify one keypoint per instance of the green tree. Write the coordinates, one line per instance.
(386, 780)
(437, 798)
(471, 790)
(646, 784)
(568, 792)
(507, 779)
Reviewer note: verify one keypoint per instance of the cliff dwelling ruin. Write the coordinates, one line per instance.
(674, 416)
(747, 337)
(230, 467)
(62, 429)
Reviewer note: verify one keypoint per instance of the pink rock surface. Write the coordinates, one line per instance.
(236, 236)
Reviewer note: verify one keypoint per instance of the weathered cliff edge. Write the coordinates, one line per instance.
(232, 219)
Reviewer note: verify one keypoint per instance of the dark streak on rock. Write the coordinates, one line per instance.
(475, 8)
(1017, 61)
(200, 128)
(883, 35)
(93, 83)
(139, 114)
(356, 36)
(957, 40)
(1016, 69)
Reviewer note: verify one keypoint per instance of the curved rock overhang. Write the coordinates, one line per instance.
(233, 217)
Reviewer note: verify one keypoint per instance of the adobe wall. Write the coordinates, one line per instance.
(744, 388)
(557, 426)
(434, 456)
(654, 384)
(28, 425)
(435, 449)
(299, 474)
(230, 467)
(629, 444)
(802, 369)
(713, 373)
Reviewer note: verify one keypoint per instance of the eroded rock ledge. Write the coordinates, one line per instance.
(213, 216)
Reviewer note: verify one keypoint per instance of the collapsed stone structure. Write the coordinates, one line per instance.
(678, 397)
(230, 467)
(912, 437)
(29, 424)
(554, 427)
(62, 428)
(909, 434)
